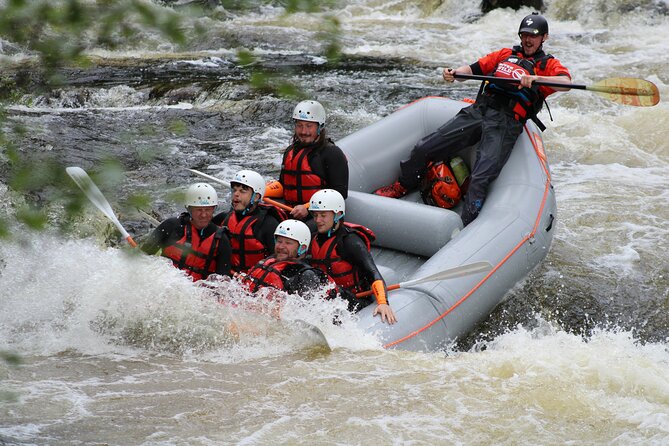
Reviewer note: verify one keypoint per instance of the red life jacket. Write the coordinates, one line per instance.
(268, 273)
(247, 250)
(528, 101)
(298, 178)
(439, 187)
(327, 257)
(194, 255)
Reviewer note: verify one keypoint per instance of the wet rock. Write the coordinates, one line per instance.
(174, 96)
(9, 48)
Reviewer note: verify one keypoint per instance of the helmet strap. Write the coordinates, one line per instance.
(335, 223)
(252, 203)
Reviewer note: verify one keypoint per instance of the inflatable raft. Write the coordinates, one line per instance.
(513, 232)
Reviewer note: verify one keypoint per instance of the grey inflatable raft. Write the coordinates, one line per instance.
(513, 231)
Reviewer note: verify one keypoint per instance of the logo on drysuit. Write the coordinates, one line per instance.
(510, 69)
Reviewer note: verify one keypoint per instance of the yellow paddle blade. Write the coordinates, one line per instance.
(627, 91)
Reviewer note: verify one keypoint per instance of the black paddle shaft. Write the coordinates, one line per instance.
(504, 80)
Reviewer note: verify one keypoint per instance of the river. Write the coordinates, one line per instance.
(121, 349)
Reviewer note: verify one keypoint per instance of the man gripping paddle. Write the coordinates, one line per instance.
(495, 120)
(191, 240)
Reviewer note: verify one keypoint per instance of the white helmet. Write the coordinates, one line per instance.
(201, 194)
(252, 179)
(311, 111)
(327, 200)
(295, 230)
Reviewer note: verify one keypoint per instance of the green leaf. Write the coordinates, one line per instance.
(177, 127)
(10, 358)
(32, 217)
(245, 57)
(141, 201)
(4, 229)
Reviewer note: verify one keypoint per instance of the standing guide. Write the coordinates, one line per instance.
(495, 120)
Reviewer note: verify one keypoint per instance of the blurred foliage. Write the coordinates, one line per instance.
(55, 35)
(59, 31)
(330, 35)
(14, 360)
(10, 358)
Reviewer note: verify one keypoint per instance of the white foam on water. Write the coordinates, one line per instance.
(618, 212)
(609, 371)
(94, 300)
(542, 384)
(263, 150)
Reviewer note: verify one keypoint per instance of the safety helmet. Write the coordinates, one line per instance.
(327, 200)
(534, 24)
(201, 194)
(311, 111)
(295, 230)
(251, 179)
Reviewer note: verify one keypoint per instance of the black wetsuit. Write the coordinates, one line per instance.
(172, 230)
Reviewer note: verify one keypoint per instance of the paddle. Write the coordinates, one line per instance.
(148, 217)
(227, 184)
(89, 188)
(315, 333)
(623, 90)
(451, 273)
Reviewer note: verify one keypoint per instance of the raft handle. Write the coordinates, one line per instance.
(550, 223)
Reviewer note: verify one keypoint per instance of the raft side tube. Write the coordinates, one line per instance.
(396, 223)
(513, 232)
(385, 143)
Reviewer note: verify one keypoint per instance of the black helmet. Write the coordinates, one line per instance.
(534, 24)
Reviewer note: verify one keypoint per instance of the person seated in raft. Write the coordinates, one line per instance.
(312, 161)
(286, 269)
(494, 121)
(249, 224)
(191, 240)
(342, 250)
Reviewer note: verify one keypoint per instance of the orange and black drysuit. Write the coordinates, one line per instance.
(345, 256)
(251, 234)
(494, 122)
(198, 252)
(307, 168)
(524, 103)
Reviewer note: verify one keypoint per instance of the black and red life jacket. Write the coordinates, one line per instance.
(269, 272)
(439, 187)
(298, 178)
(247, 250)
(526, 102)
(327, 257)
(194, 255)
